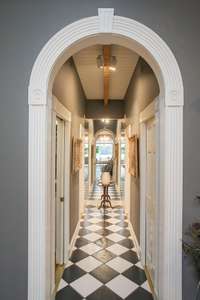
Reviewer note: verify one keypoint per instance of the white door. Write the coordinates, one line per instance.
(59, 190)
(151, 198)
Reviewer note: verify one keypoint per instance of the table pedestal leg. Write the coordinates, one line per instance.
(105, 199)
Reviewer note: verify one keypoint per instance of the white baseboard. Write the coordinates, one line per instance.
(73, 240)
(135, 240)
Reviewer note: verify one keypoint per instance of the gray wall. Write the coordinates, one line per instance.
(25, 26)
(98, 124)
(142, 90)
(95, 109)
(67, 88)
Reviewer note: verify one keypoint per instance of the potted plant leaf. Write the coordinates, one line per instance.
(192, 248)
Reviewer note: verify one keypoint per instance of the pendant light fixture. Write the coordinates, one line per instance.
(112, 65)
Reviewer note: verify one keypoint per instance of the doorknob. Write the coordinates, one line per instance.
(61, 199)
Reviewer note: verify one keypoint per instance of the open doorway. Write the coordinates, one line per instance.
(104, 157)
(104, 153)
(171, 102)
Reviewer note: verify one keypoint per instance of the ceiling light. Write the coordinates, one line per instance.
(106, 121)
(112, 65)
(112, 68)
(113, 62)
(100, 61)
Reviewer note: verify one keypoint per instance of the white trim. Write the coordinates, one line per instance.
(135, 36)
(142, 190)
(73, 239)
(145, 115)
(127, 195)
(118, 168)
(61, 110)
(67, 188)
(151, 111)
(58, 109)
(106, 19)
(81, 176)
(59, 225)
(148, 112)
(53, 202)
(104, 131)
(90, 163)
(135, 240)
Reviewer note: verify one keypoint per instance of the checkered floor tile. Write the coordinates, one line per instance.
(104, 264)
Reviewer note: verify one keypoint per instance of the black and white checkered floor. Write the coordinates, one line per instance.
(104, 264)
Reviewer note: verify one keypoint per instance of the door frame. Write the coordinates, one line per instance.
(90, 155)
(59, 205)
(106, 28)
(127, 195)
(81, 175)
(99, 132)
(151, 111)
(60, 111)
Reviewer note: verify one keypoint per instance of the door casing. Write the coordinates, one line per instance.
(58, 110)
(59, 193)
(81, 175)
(150, 211)
(151, 111)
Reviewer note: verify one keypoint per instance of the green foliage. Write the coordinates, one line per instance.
(192, 249)
(108, 167)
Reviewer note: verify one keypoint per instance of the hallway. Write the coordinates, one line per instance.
(104, 264)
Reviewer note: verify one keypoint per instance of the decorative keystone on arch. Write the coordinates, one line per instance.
(173, 95)
(174, 98)
(106, 19)
(36, 97)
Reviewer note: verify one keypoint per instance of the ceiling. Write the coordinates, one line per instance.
(92, 78)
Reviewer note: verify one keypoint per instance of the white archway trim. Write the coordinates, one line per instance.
(146, 42)
(104, 131)
(61, 110)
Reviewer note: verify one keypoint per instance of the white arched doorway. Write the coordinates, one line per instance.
(103, 137)
(106, 28)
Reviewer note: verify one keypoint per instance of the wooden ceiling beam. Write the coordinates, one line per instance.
(106, 72)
